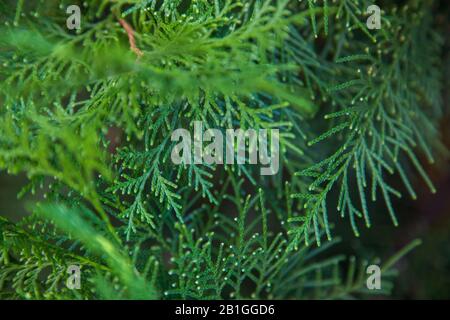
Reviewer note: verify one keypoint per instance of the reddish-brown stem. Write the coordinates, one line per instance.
(130, 33)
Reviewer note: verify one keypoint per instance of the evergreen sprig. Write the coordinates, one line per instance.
(353, 106)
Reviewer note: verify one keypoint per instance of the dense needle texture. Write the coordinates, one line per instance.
(88, 116)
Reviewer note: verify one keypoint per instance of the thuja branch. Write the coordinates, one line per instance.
(130, 32)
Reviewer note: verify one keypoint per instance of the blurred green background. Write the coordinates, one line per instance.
(423, 274)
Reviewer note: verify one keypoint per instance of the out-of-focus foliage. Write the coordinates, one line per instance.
(141, 227)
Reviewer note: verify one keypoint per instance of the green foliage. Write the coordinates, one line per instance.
(142, 228)
(391, 114)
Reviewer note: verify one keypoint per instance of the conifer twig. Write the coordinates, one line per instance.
(130, 33)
